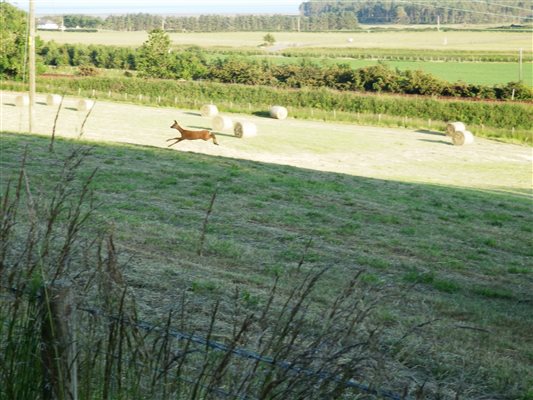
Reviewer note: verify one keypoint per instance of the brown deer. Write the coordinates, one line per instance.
(191, 135)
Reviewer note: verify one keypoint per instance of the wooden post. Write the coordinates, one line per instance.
(58, 351)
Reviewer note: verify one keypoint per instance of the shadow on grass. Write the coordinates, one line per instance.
(262, 114)
(71, 108)
(435, 141)
(430, 132)
(196, 114)
(10, 104)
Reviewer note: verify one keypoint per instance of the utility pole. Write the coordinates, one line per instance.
(31, 63)
(438, 23)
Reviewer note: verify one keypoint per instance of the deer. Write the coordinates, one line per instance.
(191, 135)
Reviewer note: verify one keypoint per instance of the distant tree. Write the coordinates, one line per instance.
(400, 16)
(154, 56)
(269, 39)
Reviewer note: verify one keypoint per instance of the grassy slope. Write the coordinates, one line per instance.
(458, 257)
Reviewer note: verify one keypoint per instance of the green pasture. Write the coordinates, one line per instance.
(484, 73)
(452, 259)
(464, 40)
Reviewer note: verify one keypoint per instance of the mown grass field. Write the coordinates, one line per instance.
(452, 250)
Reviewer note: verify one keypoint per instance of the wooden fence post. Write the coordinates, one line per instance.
(58, 352)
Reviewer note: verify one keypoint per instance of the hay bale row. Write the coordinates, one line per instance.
(53, 99)
(453, 127)
(278, 112)
(209, 110)
(460, 136)
(244, 129)
(85, 105)
(22, 100)
(221, 123)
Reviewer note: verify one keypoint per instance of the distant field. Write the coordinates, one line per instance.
(477, 73)
(465, 40)
(485, 73)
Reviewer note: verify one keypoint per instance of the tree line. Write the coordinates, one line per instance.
(214, 23)
(321, 16)
(426, 12)
(155, 59)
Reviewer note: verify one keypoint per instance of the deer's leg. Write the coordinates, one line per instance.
(177, 141)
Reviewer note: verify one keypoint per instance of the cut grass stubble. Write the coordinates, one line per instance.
(452, 255)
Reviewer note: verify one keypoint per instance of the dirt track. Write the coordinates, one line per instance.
(382, 153)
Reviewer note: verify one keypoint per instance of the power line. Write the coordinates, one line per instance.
(465, 10)
(501, 5)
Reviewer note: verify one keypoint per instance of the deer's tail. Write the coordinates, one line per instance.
(212, 135)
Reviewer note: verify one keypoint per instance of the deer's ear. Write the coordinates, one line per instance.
(175, 121)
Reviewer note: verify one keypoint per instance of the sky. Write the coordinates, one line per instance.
(182, 7)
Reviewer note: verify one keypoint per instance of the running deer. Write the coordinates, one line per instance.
(191, 135)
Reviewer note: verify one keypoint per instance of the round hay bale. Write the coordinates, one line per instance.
(221, 123)
(22, 100)
(245, 129)
(462, 138)
(209, 110)
(278, 112)
(453, 127)
(53, 99)
(85, 105)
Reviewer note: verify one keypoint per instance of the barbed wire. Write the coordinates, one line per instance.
(245, 353)
(239, 352)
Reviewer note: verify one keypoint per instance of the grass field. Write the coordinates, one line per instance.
(455, 262)
(484, 73)
(384, 153)
(445, 231)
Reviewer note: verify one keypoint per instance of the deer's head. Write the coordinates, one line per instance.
(175, 125)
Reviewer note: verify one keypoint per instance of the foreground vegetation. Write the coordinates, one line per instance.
(454, 263)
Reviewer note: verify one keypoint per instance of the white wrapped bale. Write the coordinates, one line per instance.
(85, 105)
(278, 112)
(53, 99)
(244, 129)
(209, 110)
(462, 138)
(453, 127)
(22, 100)
(221, 123)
